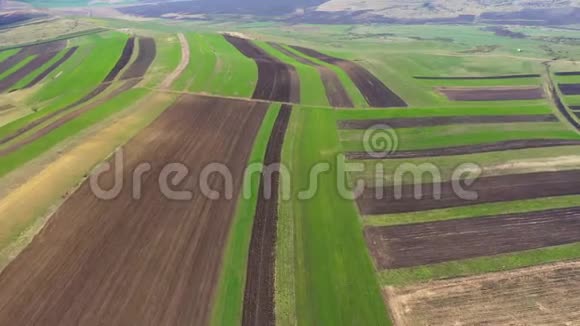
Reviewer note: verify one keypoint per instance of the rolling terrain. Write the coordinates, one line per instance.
(314, 174)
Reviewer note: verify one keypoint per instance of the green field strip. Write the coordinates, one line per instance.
(312, 90)
(476, 266)
(23, 82)
(458, 135)
(228, 304)
(572, 100)
(567, 79)
(353, 92)
(30, 151)
(333, 276)
(17, 66)
(217, 67)
(80, 74)
(480, 109)
(167, 58)
(493, 164)
(474, 211)
(7, 53)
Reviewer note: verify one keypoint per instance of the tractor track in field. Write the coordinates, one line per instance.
(148, 261)
(376, 93)
(277, 81)
(493, 189)
(259, 291)
(437, 242)
(335, 92)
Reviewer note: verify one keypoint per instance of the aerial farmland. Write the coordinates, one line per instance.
(322, 162)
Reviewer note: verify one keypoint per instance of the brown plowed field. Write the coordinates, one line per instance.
(68, 117)
(259, 293)
(25, 70)
(570, 89)
(488, 189)
(436, 242)
(5, 107)
(468, 149)
(147, 53)
(545, 295)
(492, 93)
(335, 92)
(277, 81)
(568, 73)
(376, 93)
(123, 60)
(52, 67)
(575, 107)
(31, 50)
(151, 261)
(478, 77)
(443, 121)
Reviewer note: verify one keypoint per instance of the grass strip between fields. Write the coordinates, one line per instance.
(330, 279)
(476, 266)
(229, 299)
(32, 150)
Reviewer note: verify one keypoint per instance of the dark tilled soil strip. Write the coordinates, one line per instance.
(335, 92)
(376, 93)
(147, 53)
(437, 242)
(507, 145)
(52, 67)
(570, 89)
(259, 293)
(277, 81)
(401, 199)
(123, 60)
(149, 261)
(560, 105)
(68, 117)
(568, 73)
(575, 107)
(479, 77)
(492, 94)
(27, 51)
(94, 93)
(443, 121)
(36, 63)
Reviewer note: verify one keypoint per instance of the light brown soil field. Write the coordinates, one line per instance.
(492, 93)
(25, 70)
(376, 93)
(335, 92)
(486, 190)
(69, 53)
(259, 292)
(147, 53)
(545, 295)
(436, 242)
(277, 81)
(68, 117)
(444, 121)
(468, 149)
(5, 107)
(152, 261)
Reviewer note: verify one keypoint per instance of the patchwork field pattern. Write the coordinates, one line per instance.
(69, 53)
(182, 253)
